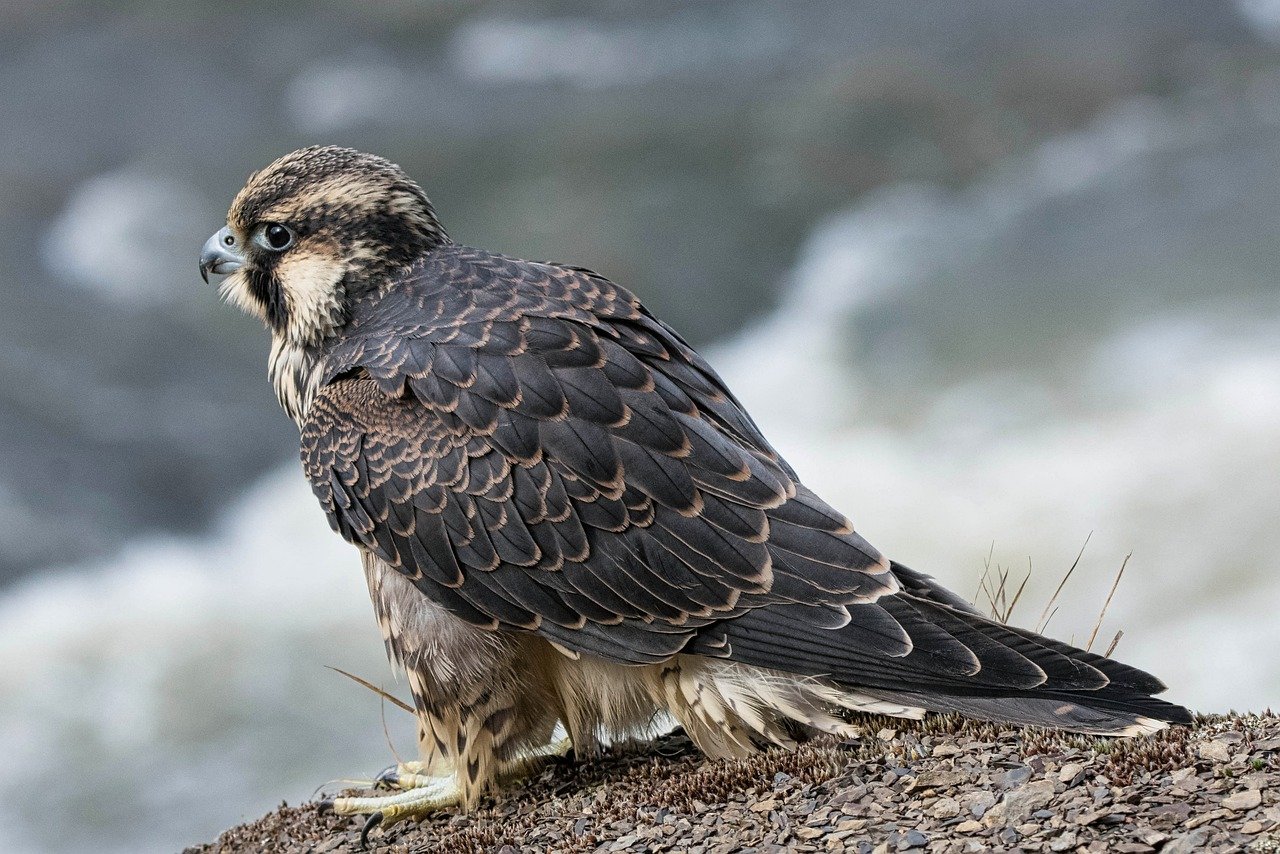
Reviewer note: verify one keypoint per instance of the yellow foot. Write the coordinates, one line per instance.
(407, 775)
(423, 795)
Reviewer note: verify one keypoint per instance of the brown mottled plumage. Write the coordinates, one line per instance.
(566, 517)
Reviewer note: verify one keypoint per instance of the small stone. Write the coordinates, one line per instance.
(1020, 803)
(1016, 776)
(1154, 837)
(1205, 818)
(1070, 772)
(977, 803)
(915, 839)
(1064, 842)
(764, 806)
(969, 826)
(1251, 827)
(945, 808)
(939, 778)
(1186, 844)
(1214, 751)
(1244, 800)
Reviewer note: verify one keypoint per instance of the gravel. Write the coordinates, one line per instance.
(943, 785)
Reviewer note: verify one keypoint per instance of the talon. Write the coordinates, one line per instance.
(373, 821)
(324, 806)
(387, 778)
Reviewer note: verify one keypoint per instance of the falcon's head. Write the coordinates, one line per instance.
(313, 231)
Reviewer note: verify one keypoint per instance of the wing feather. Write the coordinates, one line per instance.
(536, 452)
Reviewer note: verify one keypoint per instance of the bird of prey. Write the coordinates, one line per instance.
(566, 518)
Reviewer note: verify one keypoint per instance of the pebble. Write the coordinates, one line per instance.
(1214, 751)
(1187, 844)
(1070, 772)
(1243, 800)
(977, 803)
(1016, 776)
(945, 808)
(1063, 841)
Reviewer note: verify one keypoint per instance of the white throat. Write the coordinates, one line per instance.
(295, 374)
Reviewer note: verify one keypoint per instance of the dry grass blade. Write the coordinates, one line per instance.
(1049, 608)
(1097, 625)
(1013, 603)
(386, 732)
(390, 698)
(982, 577)
(1115, 641)
(996, 591)
(1001, 591)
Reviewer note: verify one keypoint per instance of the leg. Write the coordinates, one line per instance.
(477, 747)
(423, 794)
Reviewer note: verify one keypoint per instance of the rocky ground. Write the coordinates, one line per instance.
(943, 785)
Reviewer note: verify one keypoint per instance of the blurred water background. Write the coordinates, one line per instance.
(995, 276)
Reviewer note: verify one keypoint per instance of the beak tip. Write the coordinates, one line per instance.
(219, 256)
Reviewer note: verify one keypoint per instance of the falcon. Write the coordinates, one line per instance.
(566, 519)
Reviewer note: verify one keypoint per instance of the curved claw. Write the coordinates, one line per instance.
(324, 806)
(387, 777)
(373, 821)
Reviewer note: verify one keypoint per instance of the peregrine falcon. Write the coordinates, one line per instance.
(566, 518)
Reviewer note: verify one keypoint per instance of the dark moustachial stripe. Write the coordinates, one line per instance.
(264, 287)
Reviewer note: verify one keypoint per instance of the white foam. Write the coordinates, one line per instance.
(181, 686)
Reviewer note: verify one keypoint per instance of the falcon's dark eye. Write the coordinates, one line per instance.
(276, 237)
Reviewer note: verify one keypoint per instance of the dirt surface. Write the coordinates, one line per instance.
(943, 785)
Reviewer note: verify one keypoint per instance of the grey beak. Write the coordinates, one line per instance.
(220, 255)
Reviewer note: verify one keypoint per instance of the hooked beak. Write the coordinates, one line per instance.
(220, 255)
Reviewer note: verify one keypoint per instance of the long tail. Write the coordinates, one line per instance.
(924, 647)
